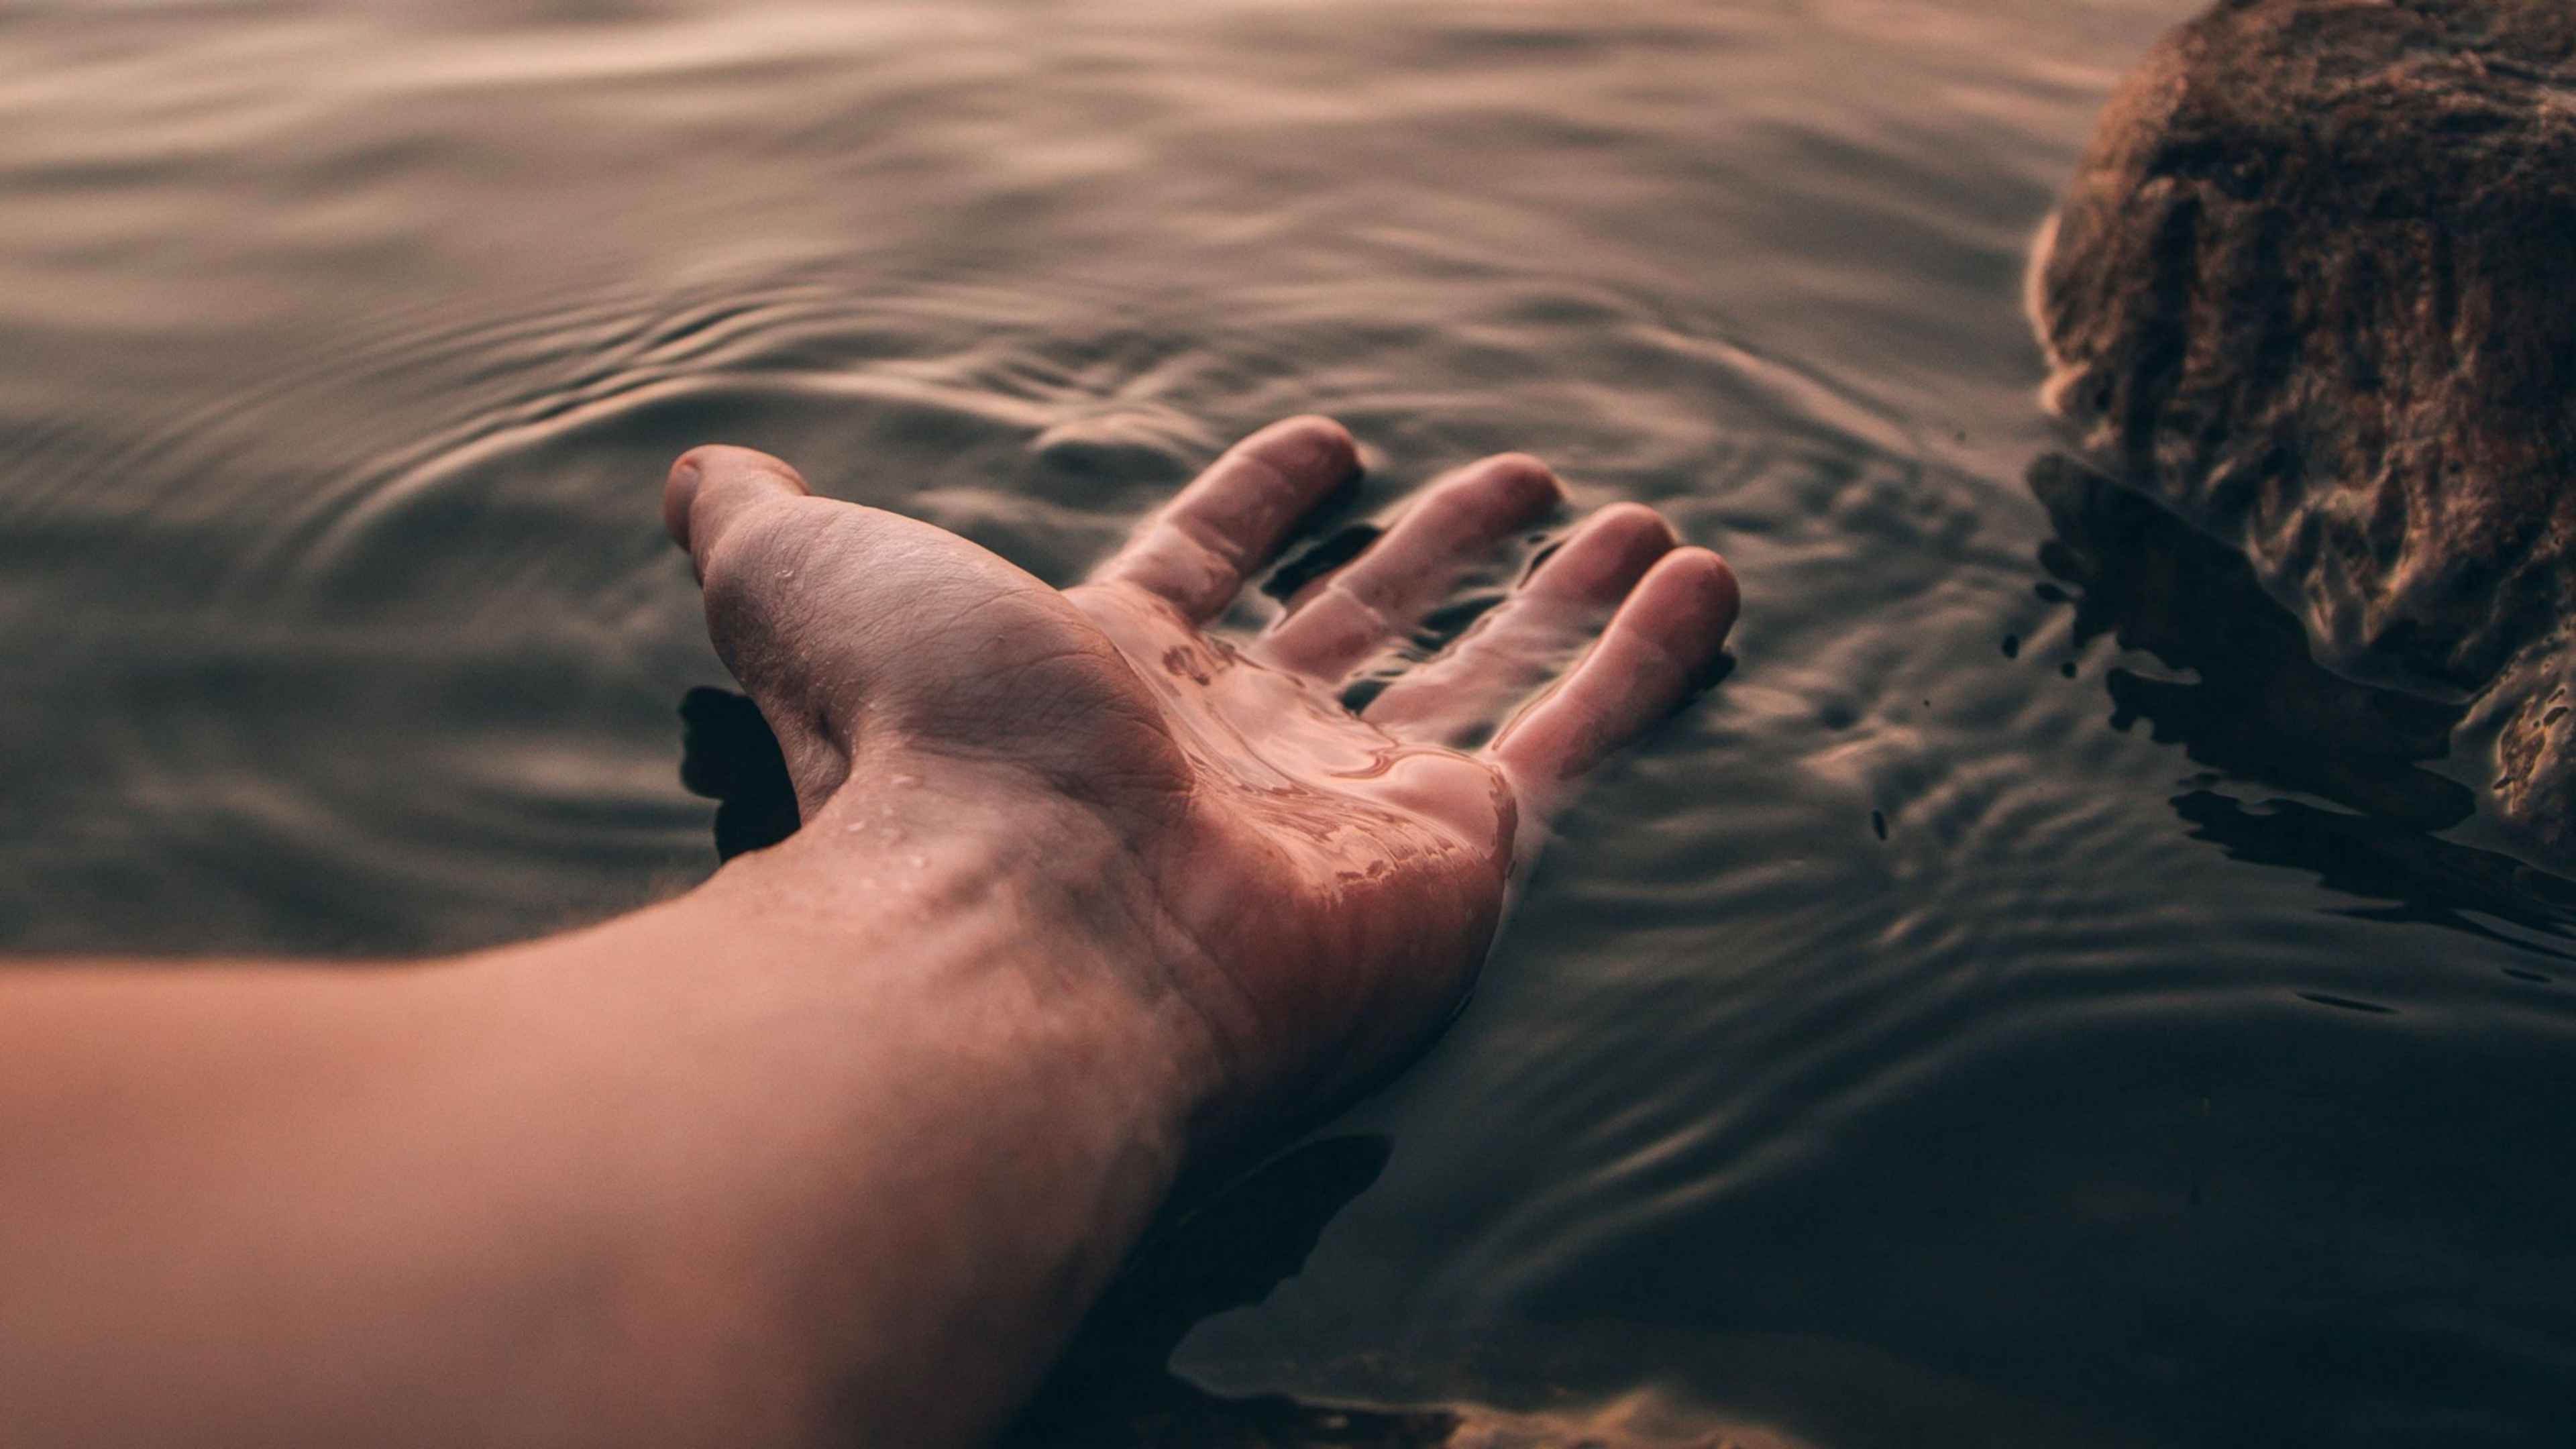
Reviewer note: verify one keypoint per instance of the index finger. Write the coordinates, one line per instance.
(1198, 549)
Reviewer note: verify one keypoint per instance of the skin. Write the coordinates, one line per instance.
(838, 1146)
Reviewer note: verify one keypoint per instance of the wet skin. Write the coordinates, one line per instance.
(838, 1146)
(1316, 886)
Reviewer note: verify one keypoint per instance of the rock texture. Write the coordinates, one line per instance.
(2315, 287)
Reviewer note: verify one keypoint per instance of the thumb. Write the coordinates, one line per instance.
(713, 487)
(709, 502)
(841, 620)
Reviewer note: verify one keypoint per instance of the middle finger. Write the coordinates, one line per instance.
(1340, 620)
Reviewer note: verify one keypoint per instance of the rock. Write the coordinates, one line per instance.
(2314, 287)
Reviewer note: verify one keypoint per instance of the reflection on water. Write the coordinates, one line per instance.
(2261, 707)
(2423, 878)
(2262, 711)
(2026, 1004)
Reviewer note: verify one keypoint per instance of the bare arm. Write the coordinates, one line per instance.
(743, 1168)
(839, 1145)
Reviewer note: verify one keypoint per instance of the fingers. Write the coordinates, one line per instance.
(1529, 637)
(1657, 648)
(1198, 550)
(712, 488)
(1350, 614)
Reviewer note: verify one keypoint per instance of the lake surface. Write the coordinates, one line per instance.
(2027, 1003)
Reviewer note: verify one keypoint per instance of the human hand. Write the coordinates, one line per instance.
(1313, 888)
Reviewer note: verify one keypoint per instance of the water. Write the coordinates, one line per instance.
(2028, 1003)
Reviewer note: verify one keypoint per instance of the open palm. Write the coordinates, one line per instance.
(1319, 885)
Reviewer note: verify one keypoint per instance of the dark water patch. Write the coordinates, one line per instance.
(729, 754)
(2259, 706)
(1322, 557)
(1115, 1383)
(2425, 879)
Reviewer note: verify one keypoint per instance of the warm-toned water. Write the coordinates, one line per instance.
(2026, 1004)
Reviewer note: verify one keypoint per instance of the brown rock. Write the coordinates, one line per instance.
(2315, 287)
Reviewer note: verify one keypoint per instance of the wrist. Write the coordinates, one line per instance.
(1065, 895)
(906, 1003)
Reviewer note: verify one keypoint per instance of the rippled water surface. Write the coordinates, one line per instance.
(2028, 1003)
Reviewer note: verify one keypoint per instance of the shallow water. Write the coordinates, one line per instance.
(2026, 1003)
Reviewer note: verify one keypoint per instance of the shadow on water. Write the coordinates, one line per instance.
(729, 755)
(2263, 710)
(1113, 1387)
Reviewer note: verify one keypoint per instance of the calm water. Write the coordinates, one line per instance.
(2026, 1004)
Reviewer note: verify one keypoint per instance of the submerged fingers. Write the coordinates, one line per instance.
(1525, 640)
(1197, 551)
(1657, 648)
(1654, 614)
(1343, 618)
(1642, 617)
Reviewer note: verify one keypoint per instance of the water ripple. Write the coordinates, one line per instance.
(2029, 1003)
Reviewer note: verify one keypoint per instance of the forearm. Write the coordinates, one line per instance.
(843, 1141)
(911, 1109)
